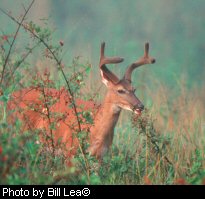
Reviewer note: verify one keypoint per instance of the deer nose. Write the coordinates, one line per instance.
(140, 106)
(153, 61)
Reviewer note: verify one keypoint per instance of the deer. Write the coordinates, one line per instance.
(120, 95)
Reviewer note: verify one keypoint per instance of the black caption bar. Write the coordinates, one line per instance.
(100, 191)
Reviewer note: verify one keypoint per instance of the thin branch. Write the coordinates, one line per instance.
(13, 41)
(49, 120)
(159, 151)
(23, 7)
(24, 58)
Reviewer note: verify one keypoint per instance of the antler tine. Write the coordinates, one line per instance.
(146, 49)
(146, 59)
(108, 60)
(102, 50)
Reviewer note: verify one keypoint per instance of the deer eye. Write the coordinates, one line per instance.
(121, 91)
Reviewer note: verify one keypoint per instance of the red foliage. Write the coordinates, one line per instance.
(1, 150)
(61, 42)
(180, 181)
(39, 107)
(147, 181)
(203, 181)
(5, 37)
(4, 158)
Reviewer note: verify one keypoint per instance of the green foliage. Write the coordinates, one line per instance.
(196, 173)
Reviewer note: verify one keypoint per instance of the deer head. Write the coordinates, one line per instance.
(121, 91)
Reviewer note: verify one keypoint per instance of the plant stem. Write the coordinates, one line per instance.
(13, 41)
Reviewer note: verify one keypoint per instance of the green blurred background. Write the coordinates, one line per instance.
(175, 30)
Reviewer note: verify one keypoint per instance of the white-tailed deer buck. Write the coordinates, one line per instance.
(33, 111)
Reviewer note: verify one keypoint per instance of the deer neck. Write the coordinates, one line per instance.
(101, 134)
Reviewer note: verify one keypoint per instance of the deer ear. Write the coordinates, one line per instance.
(108, 80)
(104, 79)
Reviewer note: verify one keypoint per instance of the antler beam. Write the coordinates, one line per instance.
(146, 59)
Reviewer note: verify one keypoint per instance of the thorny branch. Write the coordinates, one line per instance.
(49, 119)
(24, 58)
(145, 126)
(14, 39)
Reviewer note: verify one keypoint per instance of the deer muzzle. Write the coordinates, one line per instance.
(138, 108)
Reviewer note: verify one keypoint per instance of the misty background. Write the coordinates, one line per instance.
(175, 30)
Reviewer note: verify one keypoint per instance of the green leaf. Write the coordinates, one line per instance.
(38, 29)
(88, 69)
